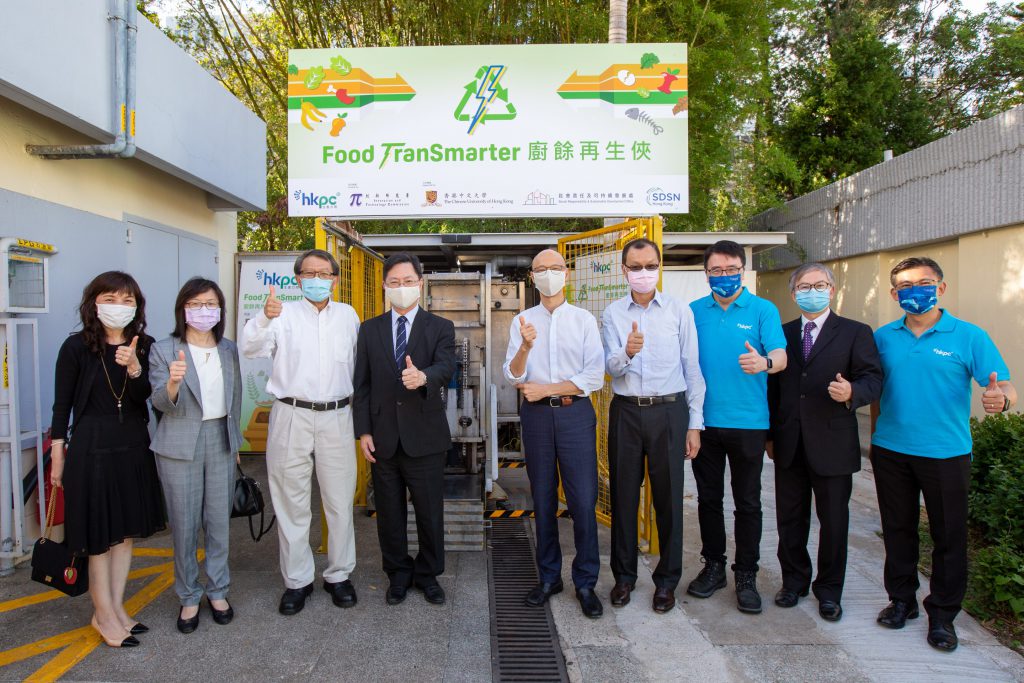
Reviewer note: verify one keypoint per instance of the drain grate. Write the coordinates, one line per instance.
(524, 643)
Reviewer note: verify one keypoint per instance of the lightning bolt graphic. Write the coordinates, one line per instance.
(486, 93)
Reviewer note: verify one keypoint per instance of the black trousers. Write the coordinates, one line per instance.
(744, 451)
(900, 480)
(656, 434)
(424, 479)
(793, 488)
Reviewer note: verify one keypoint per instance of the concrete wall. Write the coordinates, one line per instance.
(985, 276)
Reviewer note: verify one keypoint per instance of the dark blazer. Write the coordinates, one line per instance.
(382, 406)
(799, 402)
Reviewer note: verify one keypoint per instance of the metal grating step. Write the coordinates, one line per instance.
(524, 642)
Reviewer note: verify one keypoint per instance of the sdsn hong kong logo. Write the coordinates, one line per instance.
(318, 200)
(659, 197)
(267, 278)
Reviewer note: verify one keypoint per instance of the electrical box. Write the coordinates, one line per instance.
(25, 281)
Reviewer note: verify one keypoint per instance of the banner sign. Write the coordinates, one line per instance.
(479, 131)
(254, 280)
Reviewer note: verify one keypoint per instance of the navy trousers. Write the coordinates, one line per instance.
(562, 441)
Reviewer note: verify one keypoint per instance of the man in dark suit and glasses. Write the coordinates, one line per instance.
(404, 360)
(833, 369)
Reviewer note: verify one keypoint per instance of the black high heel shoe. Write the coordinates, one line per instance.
(221, 616)
(187, 625)
(130, 641)
(138, 629)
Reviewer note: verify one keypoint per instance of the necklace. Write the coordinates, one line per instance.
(117, 397)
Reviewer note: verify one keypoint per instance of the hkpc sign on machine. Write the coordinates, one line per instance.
(523, 130)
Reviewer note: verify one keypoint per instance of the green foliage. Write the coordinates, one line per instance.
(997, 581)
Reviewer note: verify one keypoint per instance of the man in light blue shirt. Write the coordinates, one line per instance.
(921, 443)
(555, 358)
(656, 415)
(741, 342)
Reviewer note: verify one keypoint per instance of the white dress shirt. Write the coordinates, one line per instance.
(819, 323)
(567, 348)
(211, 381)
(313, 351)
(409, 317)
(669, 361)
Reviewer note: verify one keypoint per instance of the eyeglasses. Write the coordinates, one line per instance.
(196, 305)
(321, 274)
(805, 287)
(650, 268)
(540, 270)
(407, 282)
(718, 272)
(920, 283)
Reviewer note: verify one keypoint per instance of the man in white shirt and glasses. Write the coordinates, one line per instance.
(312, 343)
(655, 418)
(555, 358)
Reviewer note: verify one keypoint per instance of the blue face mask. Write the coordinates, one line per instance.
(316, 289)
(726, 285)
(917, 300)
(813, 301)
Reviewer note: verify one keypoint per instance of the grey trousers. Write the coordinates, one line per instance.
(198, 494)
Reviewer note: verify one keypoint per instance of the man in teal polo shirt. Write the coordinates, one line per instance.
(922, 443)
(740, 342)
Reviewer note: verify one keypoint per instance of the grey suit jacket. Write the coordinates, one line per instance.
(178, 429)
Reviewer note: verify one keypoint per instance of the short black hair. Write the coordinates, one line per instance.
(640, 243)
(320, 253)
(726, 248)
(193, 288)
(403, 257)
(914, 262)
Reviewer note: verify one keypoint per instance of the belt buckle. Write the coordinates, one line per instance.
(318, 406)
(645, 400)
(566, 400)
(554, 401)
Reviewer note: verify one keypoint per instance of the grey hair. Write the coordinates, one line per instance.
(319, 253)
(807, 268)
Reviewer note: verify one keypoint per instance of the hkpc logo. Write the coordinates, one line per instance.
(320, 201)
(268, 278)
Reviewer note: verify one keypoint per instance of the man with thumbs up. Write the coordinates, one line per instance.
(833, 369)
(921, 442)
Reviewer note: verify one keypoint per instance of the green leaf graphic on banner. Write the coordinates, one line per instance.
(479, 96)
(314, 77)
(648, 60)
(341, 66)
(293, 70)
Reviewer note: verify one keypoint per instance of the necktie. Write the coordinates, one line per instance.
(400, 342)
(808, 339)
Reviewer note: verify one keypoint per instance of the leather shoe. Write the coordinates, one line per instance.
(664, 600)
(748, 600)
(294, 599)
(541, 592)
(789, 598)
(620, 594)
(187, 625)
(396, 593)
(830, 610)
(138, 629)
(589, 603)
(942, 635)
(897, 613)
(343, 593)
(221, 616)
(433, 593)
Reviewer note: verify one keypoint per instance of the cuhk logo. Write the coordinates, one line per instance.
(320, 201)
(659, 197)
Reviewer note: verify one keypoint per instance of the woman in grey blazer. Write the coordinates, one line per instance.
(197, 388)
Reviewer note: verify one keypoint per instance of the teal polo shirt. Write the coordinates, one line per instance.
(735, 399)
(925, 408)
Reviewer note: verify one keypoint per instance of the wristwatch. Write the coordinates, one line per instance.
(1006, 404)
(768, 359)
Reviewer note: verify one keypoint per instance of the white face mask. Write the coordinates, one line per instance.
(402, 297)
(115, 316)
(550, 282)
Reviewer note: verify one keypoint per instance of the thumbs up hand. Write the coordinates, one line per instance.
(635, 341)
(752, 362)
(128, 357)
(177, 370)
(994, 400)
(411, 377)
(840, 389)
(528, 331)
(272, 306)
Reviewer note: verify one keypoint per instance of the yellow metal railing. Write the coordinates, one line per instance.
(595, 280)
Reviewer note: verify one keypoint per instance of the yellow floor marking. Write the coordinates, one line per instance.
(76, 644)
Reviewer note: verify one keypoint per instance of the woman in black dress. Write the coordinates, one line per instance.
(111, 491)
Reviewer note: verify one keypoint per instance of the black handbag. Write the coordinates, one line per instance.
(53, 564)
(248, 502)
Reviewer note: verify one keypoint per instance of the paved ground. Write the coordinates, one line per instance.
(701, 640)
